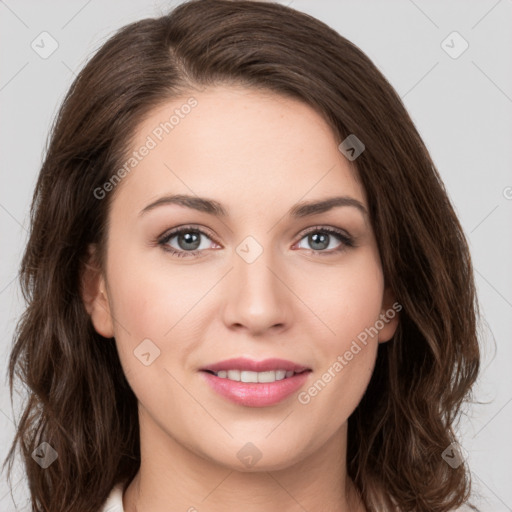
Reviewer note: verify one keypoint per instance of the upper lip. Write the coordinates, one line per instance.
(242, 363)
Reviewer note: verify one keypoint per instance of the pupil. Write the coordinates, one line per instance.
(189, 238)
(321, 239)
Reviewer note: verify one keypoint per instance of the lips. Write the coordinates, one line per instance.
(244, 364)
(255, 383)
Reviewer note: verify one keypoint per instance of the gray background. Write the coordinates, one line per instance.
(462, 107)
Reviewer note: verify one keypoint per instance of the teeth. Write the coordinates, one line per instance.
(234, 375)
(247, 376)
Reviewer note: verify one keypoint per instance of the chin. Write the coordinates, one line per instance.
(249, 458)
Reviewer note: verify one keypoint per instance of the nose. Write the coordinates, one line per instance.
(258, 299)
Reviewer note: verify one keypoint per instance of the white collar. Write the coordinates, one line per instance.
(114, 501)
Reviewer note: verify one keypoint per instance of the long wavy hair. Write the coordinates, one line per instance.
(79, 401)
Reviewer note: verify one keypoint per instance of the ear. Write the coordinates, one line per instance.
(389, 316)
(94, 294)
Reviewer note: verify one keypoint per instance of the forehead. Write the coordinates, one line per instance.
(255, 148)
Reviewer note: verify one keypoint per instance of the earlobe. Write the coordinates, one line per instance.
(94, 295)
(389, 317)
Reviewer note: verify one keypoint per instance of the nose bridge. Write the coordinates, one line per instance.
(256, 297)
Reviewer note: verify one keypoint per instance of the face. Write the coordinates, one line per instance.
(257, 276)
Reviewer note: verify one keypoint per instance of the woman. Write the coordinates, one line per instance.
(246, 284)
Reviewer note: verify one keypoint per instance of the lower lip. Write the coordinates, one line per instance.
(252, 394)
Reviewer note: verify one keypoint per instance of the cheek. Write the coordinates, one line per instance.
(348, 357)
(140, 312)
(153, 301)
(351, 299)
(150, 297)
(346, 352)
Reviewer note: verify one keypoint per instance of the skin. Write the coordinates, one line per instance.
(258, 154)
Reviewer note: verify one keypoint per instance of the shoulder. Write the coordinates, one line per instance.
(114, 502)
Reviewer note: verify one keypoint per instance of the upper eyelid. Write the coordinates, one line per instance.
(175, 231)
(326, 227)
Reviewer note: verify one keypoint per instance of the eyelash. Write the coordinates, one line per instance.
(347, 241)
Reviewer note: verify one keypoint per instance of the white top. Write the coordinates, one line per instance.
(114, 501)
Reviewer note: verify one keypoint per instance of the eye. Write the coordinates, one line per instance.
(320, 238)
(188, 240)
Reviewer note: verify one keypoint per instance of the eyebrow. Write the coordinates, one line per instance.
(299, 210)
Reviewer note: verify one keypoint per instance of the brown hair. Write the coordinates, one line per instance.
(78, 398)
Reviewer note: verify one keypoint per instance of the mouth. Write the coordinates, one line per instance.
(255, 383)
